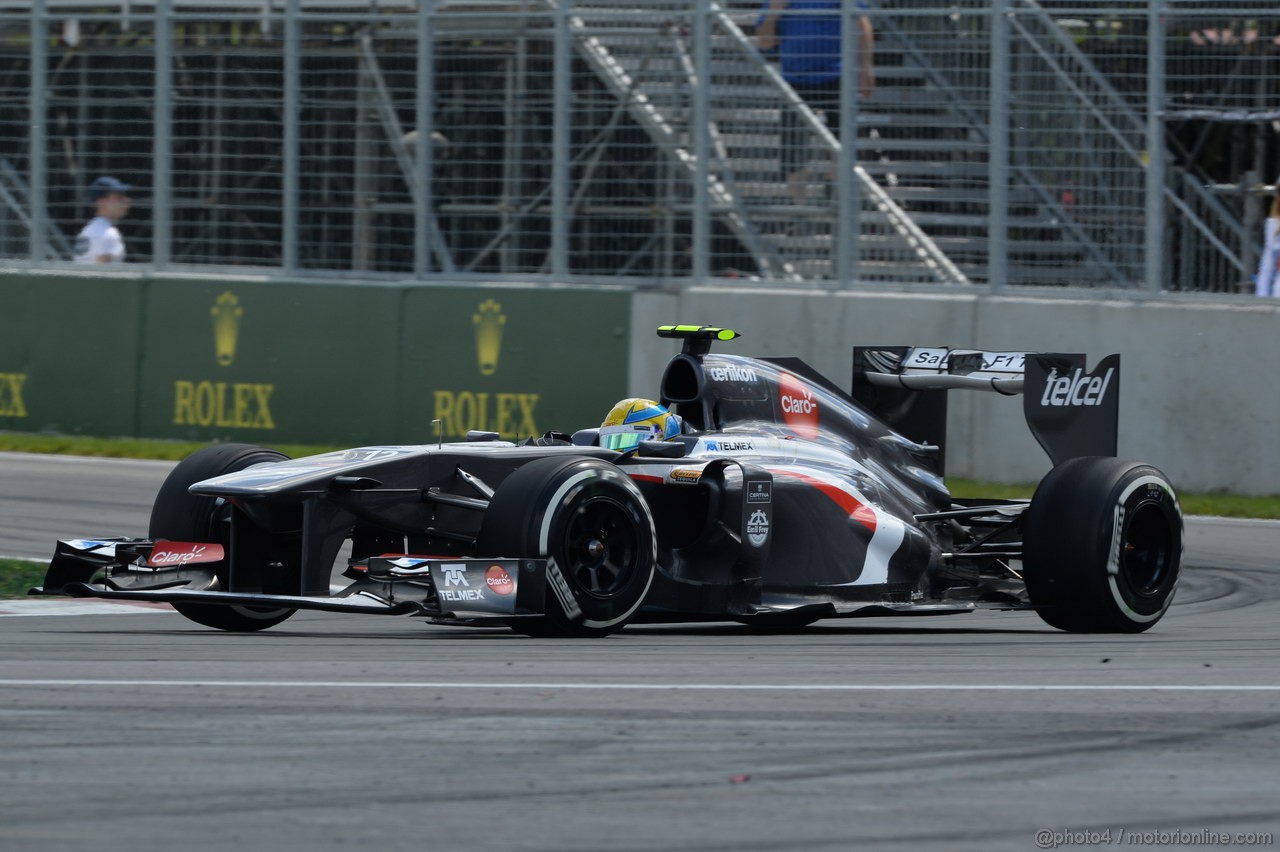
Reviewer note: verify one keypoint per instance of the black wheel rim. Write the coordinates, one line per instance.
(1146, 550)
(600, 546)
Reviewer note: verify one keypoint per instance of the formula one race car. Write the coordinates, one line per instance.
(781, 500)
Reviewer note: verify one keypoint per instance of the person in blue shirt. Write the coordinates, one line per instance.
(808, 48)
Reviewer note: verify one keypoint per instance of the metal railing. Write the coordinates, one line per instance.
(1020, 142)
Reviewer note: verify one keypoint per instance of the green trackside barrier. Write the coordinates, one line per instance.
(229, 358)
(269, 361)
(515, 361)
(69, 353)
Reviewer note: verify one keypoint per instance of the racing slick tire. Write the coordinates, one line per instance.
(591, 521)
(1102, 546)
(179, 515)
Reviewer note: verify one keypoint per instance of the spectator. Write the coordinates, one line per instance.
(809, 53)
(1267, 280)
(100, 240)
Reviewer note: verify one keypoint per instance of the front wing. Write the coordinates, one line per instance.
(391, 584)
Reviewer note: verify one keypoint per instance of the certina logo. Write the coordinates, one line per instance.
(488, 320)
(455, 575)
(11, 404)
(732, 374)
(1076, 389)
(226, 314)
(758, 528)
(497, 578)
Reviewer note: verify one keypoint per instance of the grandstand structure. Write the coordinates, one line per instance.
(1008, 143)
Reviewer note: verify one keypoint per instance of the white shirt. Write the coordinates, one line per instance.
(1268, 280)
(97, 238)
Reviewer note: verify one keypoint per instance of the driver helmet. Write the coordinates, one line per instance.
(634, 420)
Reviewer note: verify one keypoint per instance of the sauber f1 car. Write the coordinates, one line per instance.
(783, 500)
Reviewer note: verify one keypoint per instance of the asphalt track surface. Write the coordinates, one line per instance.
(136, 730)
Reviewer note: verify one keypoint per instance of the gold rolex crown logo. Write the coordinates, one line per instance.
(226, 314)
(489, 321)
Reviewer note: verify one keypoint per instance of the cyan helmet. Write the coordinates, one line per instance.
(634, 420)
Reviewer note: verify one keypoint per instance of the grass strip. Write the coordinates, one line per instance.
(18, 575)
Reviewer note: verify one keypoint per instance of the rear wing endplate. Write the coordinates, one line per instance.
(1070, 410)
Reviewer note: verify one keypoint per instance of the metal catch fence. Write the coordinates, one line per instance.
(1043, 143)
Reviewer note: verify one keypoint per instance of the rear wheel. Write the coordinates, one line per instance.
(591, 521)
(179, 515)
(1102, 546)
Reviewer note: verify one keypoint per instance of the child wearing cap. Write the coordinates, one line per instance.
(100, 240)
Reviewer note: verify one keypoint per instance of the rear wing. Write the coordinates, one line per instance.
(1070, 410)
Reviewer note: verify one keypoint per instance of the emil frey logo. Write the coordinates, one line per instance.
(758, 528)
(1076, 389)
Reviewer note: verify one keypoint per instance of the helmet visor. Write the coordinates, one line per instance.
(623, 438)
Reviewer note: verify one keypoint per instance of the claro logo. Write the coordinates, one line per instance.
(799, 407)
(1077, 389)
(497, 578)
(180, 553)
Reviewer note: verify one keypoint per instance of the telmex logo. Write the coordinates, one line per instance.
(455, 575)
(728, 446)
(1077, 389)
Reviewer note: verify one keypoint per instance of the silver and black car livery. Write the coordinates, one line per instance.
(786, 500)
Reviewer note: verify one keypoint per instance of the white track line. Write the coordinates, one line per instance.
(25, 608)
(649, 687)
(59, 458)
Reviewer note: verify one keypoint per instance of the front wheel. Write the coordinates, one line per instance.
(179, 515)
(1102, 546)
(592, 523)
